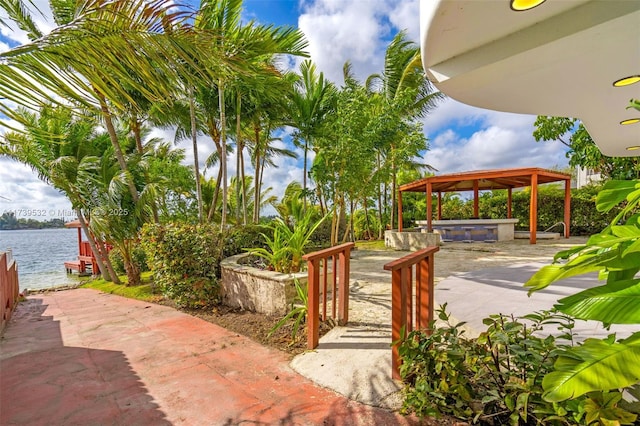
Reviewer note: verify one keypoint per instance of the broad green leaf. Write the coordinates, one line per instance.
(632, 248)
(566, 254)
(613, 193)
(582, 264)
(594, 365)
(626, 231)
(615, 303)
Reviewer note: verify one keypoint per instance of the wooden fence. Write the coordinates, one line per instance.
(9, 289)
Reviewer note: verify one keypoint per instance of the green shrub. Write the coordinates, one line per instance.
(241, 238)
(585, 219)
(139, 258)
(497, 378)
(185, 260)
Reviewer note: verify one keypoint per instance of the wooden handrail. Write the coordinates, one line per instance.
(322, 265)
(403, 311)
(9, 288)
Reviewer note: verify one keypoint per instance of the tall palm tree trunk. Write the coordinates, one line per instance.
(111, 130)
(223, 156)
(258, 178)
(103, 270)
(380, 204)
(136, 130)
(214, 199)
(105, 258)
(304, 177)
(196, 163)
(240, 148)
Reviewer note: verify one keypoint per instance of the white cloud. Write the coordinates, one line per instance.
(464, 138)
(452, 113)
(42, 17)
(404, 16)
(490, 148)
(339, 31)
(27, 196)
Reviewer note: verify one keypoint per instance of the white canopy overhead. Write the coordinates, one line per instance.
(560, 58)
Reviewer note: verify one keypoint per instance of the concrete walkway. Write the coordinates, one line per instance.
(80, 357)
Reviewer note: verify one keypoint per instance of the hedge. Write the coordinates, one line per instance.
(585, 219)
(185, 259)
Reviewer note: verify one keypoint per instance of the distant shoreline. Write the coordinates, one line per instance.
(32, 228)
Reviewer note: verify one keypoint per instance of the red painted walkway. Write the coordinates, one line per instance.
(81, 357)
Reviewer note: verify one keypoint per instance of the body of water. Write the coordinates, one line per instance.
(40, 254)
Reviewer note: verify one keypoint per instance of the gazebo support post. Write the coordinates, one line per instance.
(429, 208)
(439, 205)
(79, 241)
(509, 192)
(399, 212)
(476, 210)
(567, 207)
(533, 209)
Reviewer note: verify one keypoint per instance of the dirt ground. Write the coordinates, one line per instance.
(258, 326)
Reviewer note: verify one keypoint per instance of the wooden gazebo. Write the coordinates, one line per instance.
(487, 180)
(85, 254)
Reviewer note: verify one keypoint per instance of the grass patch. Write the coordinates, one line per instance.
(144, 291)
(371, 245)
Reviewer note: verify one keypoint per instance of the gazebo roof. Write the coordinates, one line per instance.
(487, 179)
(73, 224)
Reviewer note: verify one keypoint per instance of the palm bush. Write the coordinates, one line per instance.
(287, 245)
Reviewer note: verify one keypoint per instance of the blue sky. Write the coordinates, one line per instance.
(461, 137)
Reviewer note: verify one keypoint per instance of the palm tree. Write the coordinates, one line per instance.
(404, 86)
(249, 44)
(113, 57)
(62, 151)
(313, 99)
(264, 108)
(263, 153)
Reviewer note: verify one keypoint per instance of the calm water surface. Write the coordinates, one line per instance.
(41, 254)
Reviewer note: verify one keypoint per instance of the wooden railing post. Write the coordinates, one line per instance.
(343, 310)
(313, 310)
(402, 308)
(318, 266)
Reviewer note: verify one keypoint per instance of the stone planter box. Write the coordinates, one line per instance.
(410, 240)
(246, 287)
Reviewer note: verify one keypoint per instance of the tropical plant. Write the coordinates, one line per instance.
(403, 87)
(600, 364)
(312, 101)
(497, 378)
(250, 44)
(287, 245)
(62, 150)
(298, 312)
